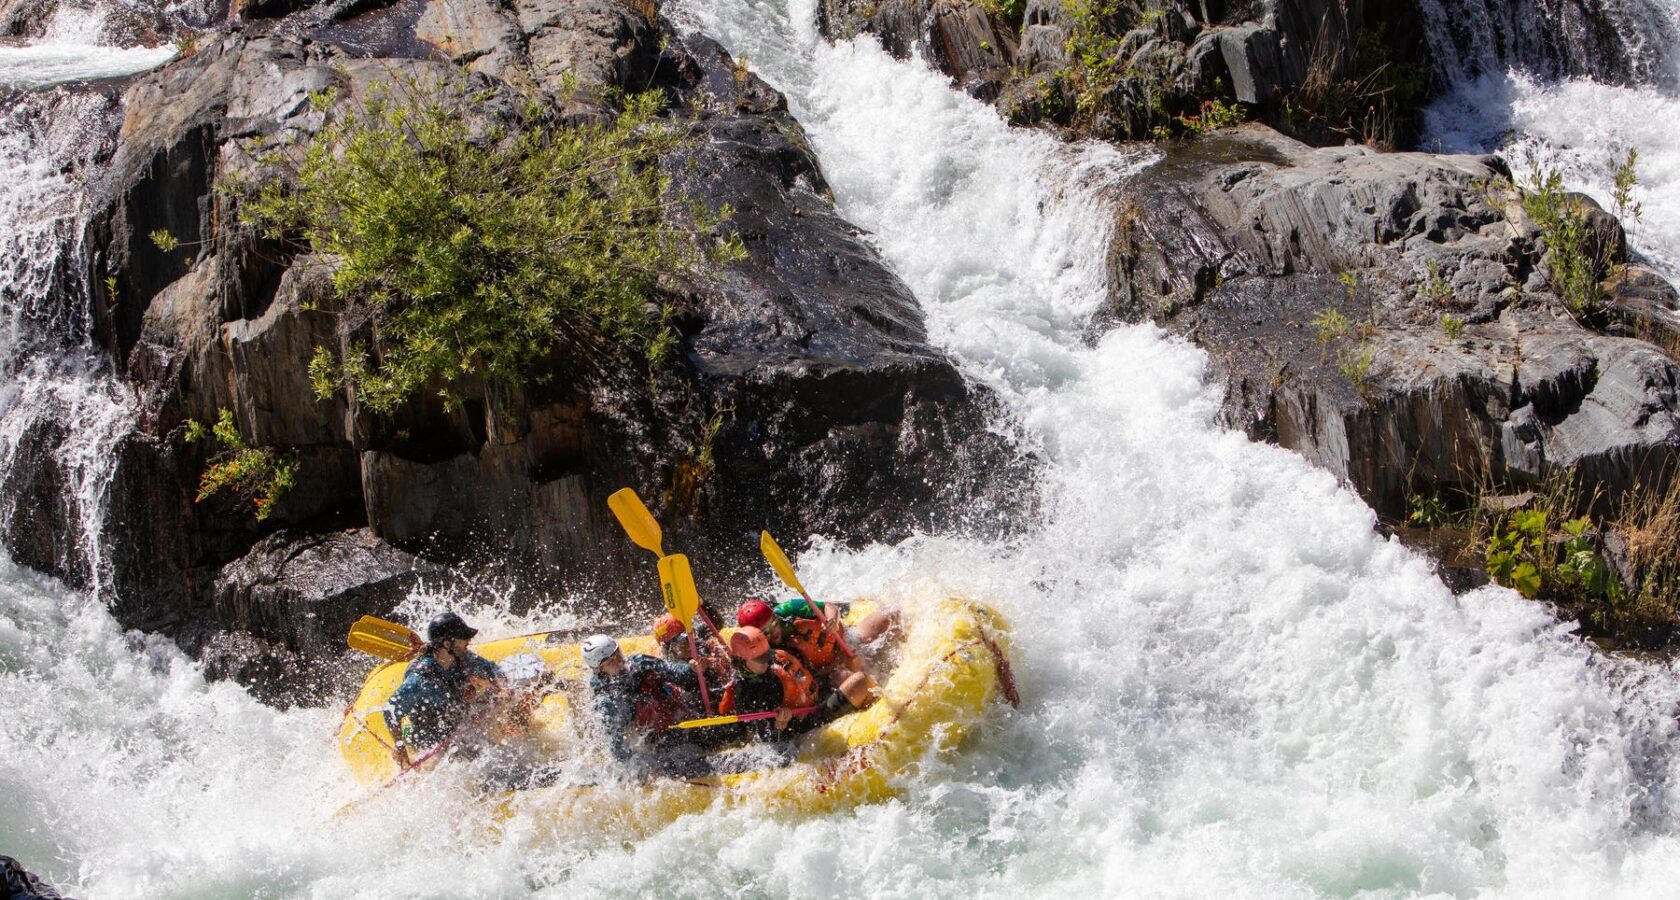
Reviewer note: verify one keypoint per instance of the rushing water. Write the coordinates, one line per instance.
(1231, 685)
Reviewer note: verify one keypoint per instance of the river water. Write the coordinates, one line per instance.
(1231, 685)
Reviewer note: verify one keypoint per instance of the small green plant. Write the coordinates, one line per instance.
(164, 240)
(1350, 283)
(1435, 288)
(488, 253)
(1354, 364)
(1330, 325)
(1622, 171)
(257, 473)
(1583, 569)
(186, 45)
(1515, 551)
(1452, 325)
(1427, 511)
(1214, 115)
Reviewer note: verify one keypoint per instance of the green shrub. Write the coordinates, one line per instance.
(1567, 236)
(258, 474)
(1516, 549)
(1452, 325)
(476, 253)
(1213, 115)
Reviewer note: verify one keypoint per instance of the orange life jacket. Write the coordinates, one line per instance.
(814, 643)
(799, 686)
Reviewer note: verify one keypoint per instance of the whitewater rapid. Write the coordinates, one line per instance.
(1231, 684)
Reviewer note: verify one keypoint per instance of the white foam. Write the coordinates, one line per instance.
(39, 65)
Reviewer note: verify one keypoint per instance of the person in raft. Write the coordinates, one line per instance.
(767, 679)
(637, 699)
(673, 644)
(438, 689)
(800, 628)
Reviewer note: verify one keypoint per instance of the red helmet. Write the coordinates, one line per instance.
(748, 643)
(666, 628)
(753, 613)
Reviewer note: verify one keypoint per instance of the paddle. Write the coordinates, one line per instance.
(384, 639)
(778, 560)
(741, 717)
(676, 579)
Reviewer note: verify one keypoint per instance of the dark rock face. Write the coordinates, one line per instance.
(807, 399)
(1242, 242)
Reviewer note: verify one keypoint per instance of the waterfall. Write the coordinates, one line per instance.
(1629, 42)
(61, 411)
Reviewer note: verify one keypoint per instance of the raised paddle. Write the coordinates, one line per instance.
(676, 579)
(384, 639)
(784, 570)
(742, 717)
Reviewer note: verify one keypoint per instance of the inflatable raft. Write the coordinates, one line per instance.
(950, 662)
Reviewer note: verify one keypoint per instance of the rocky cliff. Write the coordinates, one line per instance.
(805, 398)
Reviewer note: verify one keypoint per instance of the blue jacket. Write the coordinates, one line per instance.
(433, 699)
(646, 682)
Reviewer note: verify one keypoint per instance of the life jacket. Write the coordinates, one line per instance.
(799, 686)
(659, 703)
(816, 645)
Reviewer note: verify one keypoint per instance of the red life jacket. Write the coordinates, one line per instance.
(659, 703)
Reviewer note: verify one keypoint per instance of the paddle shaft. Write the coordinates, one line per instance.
(743, 717)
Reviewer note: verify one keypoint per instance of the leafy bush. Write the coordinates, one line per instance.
(257, 473)
(1567, 235)
(1214, 115)
(1516, 549)
(1452, 325)
(484, 253)
(1522, 555)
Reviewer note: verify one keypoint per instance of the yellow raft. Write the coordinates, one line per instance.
(951, 660)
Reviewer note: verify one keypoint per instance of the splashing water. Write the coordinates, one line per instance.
(1232, 686)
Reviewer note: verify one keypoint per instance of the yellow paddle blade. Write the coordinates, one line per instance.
(682, 598)
(779, 561)
(633, 514)
(703, 723)
(386, 640)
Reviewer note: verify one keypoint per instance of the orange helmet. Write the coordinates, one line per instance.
(748, 643)
(666, 628)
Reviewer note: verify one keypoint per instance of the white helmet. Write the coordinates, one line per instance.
(597, 649)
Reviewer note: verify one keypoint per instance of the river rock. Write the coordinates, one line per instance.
(1244, 242)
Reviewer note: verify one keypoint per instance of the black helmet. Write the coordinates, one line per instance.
(447, 627)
